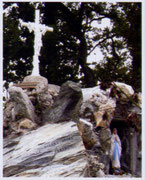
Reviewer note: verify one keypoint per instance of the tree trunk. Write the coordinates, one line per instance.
(75, 26)
(89, 78)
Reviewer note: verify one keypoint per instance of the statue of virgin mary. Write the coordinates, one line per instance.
(115, 151)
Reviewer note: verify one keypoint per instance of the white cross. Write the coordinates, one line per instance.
(39, 30)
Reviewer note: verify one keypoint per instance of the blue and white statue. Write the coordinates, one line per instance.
(115, 151)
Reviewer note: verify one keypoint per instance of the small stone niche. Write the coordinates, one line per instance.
(131, 145)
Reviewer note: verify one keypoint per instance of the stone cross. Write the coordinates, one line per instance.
(39, 30)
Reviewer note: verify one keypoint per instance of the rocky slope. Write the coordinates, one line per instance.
(52, 131)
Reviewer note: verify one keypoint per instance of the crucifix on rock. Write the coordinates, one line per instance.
(39, 30)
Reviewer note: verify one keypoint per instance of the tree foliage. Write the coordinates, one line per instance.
(76, 35)
(18, 43)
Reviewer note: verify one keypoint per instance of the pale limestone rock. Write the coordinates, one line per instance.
(88, 136)
(41, 92)
(99, 103)
(127, 89)
(26, 124)
(56, 150)
(105, 114)
(36, 79)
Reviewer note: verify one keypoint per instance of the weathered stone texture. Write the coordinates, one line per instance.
(22, 105)
(74, 137)
(66, 105)
(53, 150)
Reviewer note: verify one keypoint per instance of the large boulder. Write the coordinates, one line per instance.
(38, 79)
(98, 102)
(97, 142)
(23, 108)
(40, 94)
(125, 91)
(53, 150)
(98, 109)
(88, 136)
(18, 108)
(66, 105)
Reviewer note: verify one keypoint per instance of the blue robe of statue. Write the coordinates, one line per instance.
(115, 150)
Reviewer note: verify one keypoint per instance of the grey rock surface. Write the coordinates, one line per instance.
(41, 91)
(66, 105)
(88, 136)
(53, 90)
(97, 143)
(36, 79)
(17, 108)
(23, 108)
(74, 138)
(53, 150)
(8, 118)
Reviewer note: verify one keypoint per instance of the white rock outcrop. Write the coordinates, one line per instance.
(125, 89)
(100, 104)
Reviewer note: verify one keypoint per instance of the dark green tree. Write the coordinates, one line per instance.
(72, 40)
(65, 51)
(58, 54)
(17, 43)
(78, 24)
(114, 67)
(126, 19)
(130, 29)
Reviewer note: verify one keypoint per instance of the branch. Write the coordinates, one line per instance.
(96, 46)
(99, 44)
(96, 19)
